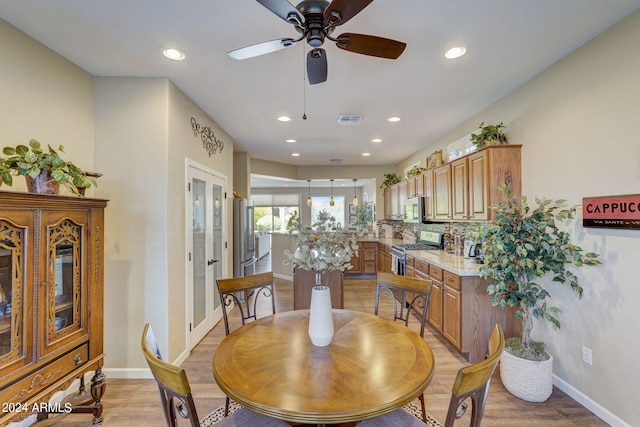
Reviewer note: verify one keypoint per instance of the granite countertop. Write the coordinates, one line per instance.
(455, 264)
(458, 265)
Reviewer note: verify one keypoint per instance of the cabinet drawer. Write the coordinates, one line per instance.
(369, 254)
(422, 266)
(435, 273)
(369, 267)
(369, 245)
(410, 261)
(452, 280)
(22, 390)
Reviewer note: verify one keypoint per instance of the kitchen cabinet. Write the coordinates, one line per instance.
(442, 192)
(411, 187)
(384, 258)
(388, 213)
(459, 309)
(51, 299)
(427, 181)
(409, 269)
(465, 188)
(365, 262)
(459, 185)
(395, 201)
(420, 185)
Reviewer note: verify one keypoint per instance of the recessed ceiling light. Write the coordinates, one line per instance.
(295, 154)
(376, 140)
(284, 118)
(455, 52)
(394, 119)
(366, 154)
(290, 141)
(175, 54)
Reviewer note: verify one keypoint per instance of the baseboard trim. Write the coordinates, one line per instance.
(282, 276)
(600, 411)
(128, 373)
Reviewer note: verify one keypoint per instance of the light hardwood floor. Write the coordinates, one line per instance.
(136, 403)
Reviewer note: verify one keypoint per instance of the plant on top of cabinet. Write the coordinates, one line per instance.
(43, 170)
(5, 172)
(489, 135)
(521, 245)
(416, 170)
(389, 179)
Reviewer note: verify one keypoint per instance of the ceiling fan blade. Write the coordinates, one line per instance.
(371, 45)
(283, 9)
(317, 66)
(261, 48)
(340, 11)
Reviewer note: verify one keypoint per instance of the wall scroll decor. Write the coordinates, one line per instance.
(209, 141)
(611, 211)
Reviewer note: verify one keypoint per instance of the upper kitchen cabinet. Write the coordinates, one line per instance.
(487, 171)
(465, 188)
(442, 192)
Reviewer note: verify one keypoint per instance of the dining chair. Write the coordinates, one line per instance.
(245, 293)
(176, 397)
(472, 382)
(408, 294)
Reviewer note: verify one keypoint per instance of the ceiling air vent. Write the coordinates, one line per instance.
(349, 119)
(335, 161)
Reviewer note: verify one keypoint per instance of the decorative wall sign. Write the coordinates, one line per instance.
(611, 211)
(209, 141)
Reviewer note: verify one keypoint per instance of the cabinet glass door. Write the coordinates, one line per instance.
(64, 293)
(12, 249)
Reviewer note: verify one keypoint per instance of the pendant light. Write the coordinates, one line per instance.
(331, 201)
(355, 195)
(309, 202)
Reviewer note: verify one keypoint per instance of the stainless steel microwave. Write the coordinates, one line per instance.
(413, 210)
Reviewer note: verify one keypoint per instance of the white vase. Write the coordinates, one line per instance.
(320, 316)
(529, 380)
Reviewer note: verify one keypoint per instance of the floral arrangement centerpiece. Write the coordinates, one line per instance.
(323, 247)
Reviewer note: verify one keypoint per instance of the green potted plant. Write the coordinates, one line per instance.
(44, 170)
(521, 246)
(389, 179)
(416, 170)
(364, 215)
(5, 173)
(489, 135)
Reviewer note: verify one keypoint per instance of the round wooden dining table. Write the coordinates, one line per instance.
(373, 366)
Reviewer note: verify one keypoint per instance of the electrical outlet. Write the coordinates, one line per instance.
(586, 355)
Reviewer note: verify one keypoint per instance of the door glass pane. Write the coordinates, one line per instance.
(217, 239)
(11, 285)
(65, 276)
(199, 252)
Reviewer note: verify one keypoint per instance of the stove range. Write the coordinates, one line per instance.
(429, 240)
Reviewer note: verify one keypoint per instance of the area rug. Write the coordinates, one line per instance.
(218, 414)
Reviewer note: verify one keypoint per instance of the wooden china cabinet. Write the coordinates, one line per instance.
(51, 303)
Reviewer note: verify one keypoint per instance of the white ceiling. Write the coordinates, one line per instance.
(507, 43)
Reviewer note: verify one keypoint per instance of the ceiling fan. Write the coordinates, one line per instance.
(316, 20)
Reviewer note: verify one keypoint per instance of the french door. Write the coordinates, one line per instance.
(206, 257)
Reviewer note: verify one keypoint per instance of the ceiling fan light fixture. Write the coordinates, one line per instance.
(455, 52)
(174, 54)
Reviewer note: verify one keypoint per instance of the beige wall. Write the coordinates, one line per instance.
(578, 124)
(46, 97)
(143, 136)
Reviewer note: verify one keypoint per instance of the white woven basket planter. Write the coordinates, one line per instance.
(526, 379)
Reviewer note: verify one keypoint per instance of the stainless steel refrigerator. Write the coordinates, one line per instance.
(244, 250)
